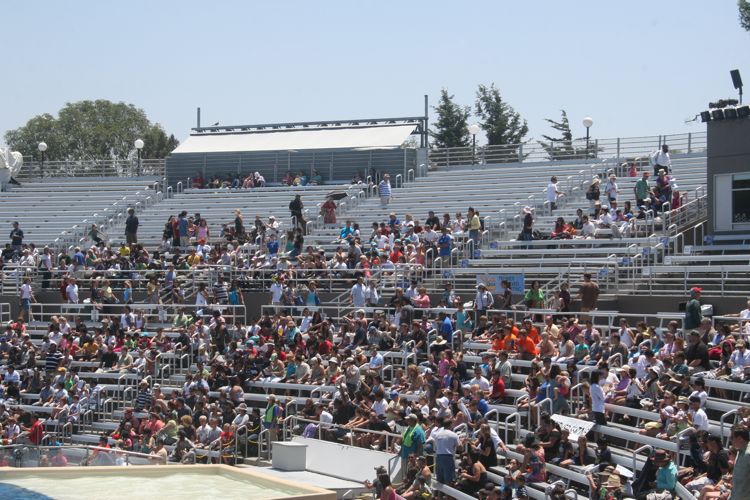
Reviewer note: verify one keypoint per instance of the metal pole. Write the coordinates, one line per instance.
(473, 148)
(139, 162)
(425, 133)
(41, 167)
(587, 142)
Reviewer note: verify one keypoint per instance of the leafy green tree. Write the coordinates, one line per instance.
(91, 130)
(451, 129)
(41, 128)
(156, 143)
(559, 148)
(744, 7)
(500, 122)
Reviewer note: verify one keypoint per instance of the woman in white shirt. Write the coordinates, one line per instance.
(612, 191)
(201, 299)
(626, 334)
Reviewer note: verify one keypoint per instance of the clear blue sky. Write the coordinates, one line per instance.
(638, 67)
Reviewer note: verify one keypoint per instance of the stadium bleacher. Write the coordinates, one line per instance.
(228, 344)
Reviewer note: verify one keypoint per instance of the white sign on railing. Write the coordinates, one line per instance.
(575, 426)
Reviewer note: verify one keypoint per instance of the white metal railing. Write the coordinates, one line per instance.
(635, 149)
(34, 169)
(44, 311)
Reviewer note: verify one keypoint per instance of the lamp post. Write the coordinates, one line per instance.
(42, 146)
(474, 130)
(139, 146)
(587, 122)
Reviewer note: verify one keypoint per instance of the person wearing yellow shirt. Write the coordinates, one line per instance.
(193, 259)
(474, 225)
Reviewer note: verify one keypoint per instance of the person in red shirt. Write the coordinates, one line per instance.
(35, 432)
(396, 253)
(226, 439)
(497, 388)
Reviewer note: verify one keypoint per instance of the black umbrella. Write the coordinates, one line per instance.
(337, 195)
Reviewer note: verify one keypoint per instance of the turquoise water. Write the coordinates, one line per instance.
(18, 493)
(134, 484)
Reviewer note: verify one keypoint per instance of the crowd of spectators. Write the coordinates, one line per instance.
(412, 407)
(396, 371)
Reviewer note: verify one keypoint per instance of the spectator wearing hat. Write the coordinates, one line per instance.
(412, 440)
(666, 478)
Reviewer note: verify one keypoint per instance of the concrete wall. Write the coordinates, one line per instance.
(346, 462)
(728, 152)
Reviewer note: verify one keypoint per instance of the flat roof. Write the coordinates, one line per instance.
(355, 137)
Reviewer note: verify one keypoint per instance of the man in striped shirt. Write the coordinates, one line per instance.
(143, 399)
(384, 190)
(221, 294)
(52, 360)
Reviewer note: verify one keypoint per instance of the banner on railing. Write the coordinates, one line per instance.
(494, 281)
(575, 426)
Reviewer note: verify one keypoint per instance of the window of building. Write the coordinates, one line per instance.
(741, 199)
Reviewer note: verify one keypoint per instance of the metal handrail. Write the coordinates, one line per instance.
(636, 149)
(515, 416)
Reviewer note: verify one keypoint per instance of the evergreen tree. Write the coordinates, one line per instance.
(501, 123)
(559, 148)
(744, 7)
(451, 129)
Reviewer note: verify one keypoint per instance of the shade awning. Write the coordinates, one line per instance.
(373, 137)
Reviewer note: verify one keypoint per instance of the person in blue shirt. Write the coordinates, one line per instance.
(346, 231)
(412, 441)
(182, 227)
(445, 244)
(78, 258)
(272, 245)
(393, 221)
(446, 327)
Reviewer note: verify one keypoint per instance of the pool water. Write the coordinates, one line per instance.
(165, 484)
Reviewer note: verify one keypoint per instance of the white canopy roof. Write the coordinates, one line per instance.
(372, 137)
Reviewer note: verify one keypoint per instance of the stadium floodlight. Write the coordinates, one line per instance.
(139, 146)
(42, 146)
(588, 122)
(474, 130)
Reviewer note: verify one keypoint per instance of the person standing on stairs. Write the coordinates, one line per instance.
(384, 191)
(131, 227)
